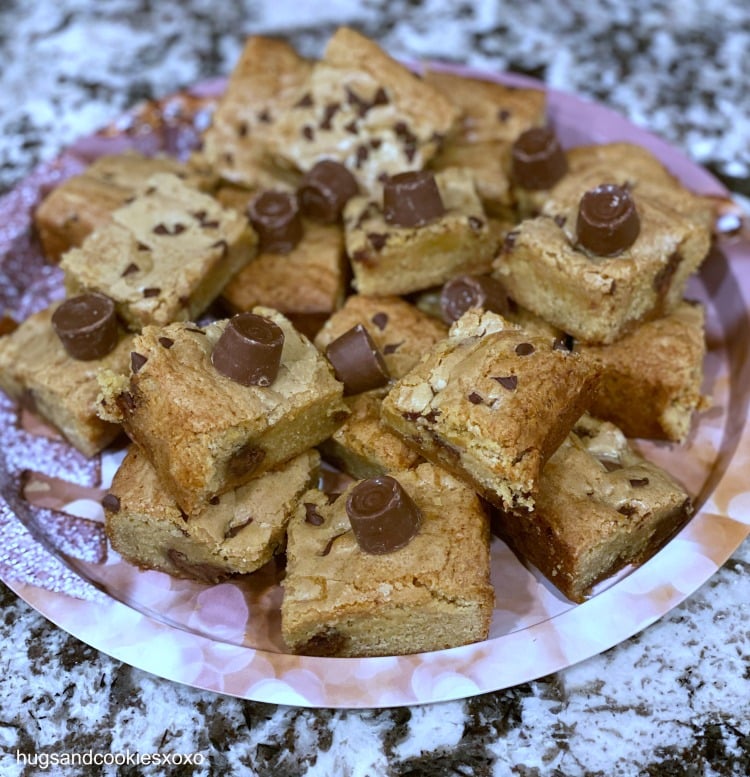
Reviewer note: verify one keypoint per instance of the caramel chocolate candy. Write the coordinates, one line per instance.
(249, 350)
(472, 291)
(276, 218)
(538, 161)
(86, 326)
(357, 361)
(412, 199)
(608, 221)
(383, 516)
(325, 189)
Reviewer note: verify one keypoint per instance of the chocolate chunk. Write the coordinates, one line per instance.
(137, 360)
(472, 291)
(246, 460)
(524, 349)
(509, 382)
(325, 189)
(249, 350)
(475, 399)
(538, 161)
(206, 573)
(312, 515)
(412, 199)
(166, 342)
(380, 320)
(86, 326)
(276, 218)
(357, 361)
(608, 222)
(383, 516)
(111, 502)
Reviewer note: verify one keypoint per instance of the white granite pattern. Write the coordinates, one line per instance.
(673, 700)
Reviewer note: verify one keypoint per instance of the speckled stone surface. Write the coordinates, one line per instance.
(673, 700)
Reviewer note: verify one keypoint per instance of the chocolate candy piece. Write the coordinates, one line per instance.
(608, 222)
(276, 218)
(472, 291)
(538, 161)
(325, 189)
(86, 326)
(249, 350)
(357, 361)
(412, 199)
(383, 516)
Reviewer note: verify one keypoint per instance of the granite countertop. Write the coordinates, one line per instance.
(672, 700)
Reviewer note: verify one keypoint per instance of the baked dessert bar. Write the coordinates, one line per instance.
(85, 202)
(236, 534)
(391, 258)
(491, 403)
(262, 86)
(492, 118)
(651, 383)
(600, 506)
(431, 593)
(306, 284)
(165, 256)
(598, 295)
(37, 371)
(204, 431)
(362, 108)
(402, 332)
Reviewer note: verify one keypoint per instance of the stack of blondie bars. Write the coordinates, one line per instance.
(401, 277)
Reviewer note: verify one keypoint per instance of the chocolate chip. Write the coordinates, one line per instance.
(249, 350)
(312, 515)
(329, 545)
(377, 240)
(608, 222)
(432, 415)
(538, 161)
(380, 98)
(380, 320)
(137, 360)
(475, 399)
(524, 349)
(412, 199)
(383, 516)
(563, 343)
(126, 403)
(638, 482)
(351, 127)
(86, 326)
(509, 382)
(361, 156)
(325, 189)
(236, 528)
(142, 247)
(223, 245)
(153, 291)
(308, 132)
(166, 342)
(390, 348)
(129, 270)
(510, 240)
(111, 503)
(503, 115)
(276, 218)
(245, 461)
(357, 362)
(207, 573)
(627, 509)
(663, 278)
(330, 111)
(214, 500)
(611, 465)
(306, 101)
(560, 220)
(163, 229)
(472, 291)
(264, 116)
(242, 129)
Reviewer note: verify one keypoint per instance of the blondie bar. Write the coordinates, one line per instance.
(600, 506)
(165, 256)
(37, 371)
(491, 403)
(205, 432)
(236, 534)
(432, 593)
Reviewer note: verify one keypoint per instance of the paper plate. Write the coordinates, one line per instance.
(226, 638)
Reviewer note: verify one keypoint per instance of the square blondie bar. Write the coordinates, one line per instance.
(431, 594)
(204, 432)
